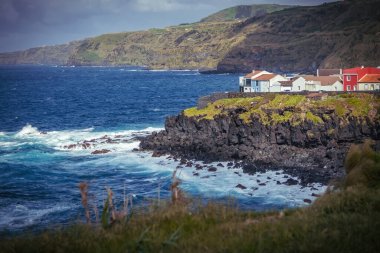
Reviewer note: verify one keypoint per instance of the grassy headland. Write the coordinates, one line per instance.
(344, 219)
(277, 108)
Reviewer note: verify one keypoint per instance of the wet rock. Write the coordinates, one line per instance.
(291, 181)
(135, 150)
(307, 201)
(278, 182)
(220, 165)
(240, 186)
(196, 174)
(258, 181)
(102, 151)
(212, 169)
(262, 184)
(157, 154)
(199, 167)
(315, 195)
(189, 164)
(230, 164)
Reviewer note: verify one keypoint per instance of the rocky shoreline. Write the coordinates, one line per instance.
(314, 152)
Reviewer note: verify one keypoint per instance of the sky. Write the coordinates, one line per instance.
(31, 23)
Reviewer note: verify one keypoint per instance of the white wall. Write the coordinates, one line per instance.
(368, 86)
(299, 84)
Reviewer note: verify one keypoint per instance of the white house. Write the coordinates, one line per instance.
(295, 84)
(323, 83)
(245, 82)
(267, 83)
(369, 82)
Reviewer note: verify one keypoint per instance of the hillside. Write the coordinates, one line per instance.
(244, 11)
(299, 39)
(340, 34)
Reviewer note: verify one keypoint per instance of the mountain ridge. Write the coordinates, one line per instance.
(298, 39)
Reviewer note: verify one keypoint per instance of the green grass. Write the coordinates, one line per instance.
(271, 109)
(345, 219)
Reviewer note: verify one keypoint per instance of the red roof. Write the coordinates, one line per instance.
(253, 73)
(370, 78)
(264, 77)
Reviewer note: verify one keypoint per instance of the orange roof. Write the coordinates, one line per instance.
(370, 78)
(253, 73)
(264, 77)
(324, 80)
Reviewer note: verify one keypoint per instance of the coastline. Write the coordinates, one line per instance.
(312, 149)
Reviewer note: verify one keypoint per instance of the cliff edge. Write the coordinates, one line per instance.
(305, 135)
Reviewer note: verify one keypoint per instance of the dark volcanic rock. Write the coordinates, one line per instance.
(103, 151)
(309, 151)
(291, 181)
(212, 169)
(307, 201)
(240, 186)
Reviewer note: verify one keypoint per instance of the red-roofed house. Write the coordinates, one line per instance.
(245, 82)
(369, 82)
(353, 75)
(267, 83)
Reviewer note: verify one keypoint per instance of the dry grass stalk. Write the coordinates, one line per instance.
(111, 206)
(177, 195)
(83, 187)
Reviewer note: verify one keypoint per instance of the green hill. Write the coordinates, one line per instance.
(245, 11)
(299, 39)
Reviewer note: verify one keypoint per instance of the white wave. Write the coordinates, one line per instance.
(224, 181)
(86, 140)
(28, 130)
(2, 134)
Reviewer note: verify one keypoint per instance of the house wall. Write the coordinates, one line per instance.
(312, 85)
(368, 86)
(264, 86)
(337, 86)
(299, 84)
(349, 82)
(286, 88)
(274, 83)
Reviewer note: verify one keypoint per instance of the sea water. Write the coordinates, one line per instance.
(44, 110)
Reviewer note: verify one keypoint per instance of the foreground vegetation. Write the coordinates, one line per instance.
(345, 219)
(272, 109)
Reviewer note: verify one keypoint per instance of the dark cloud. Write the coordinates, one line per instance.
(30, 23)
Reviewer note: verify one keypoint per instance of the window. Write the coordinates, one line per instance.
(365, 86)
(348, 87)
(247, 82)
(348, 78)
(299, 87)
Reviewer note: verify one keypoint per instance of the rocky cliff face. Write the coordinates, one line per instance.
(312, 150)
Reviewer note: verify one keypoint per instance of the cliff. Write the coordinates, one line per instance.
(299, 39)
(305, 135)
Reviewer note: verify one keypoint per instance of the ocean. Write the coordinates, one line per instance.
(53, 118)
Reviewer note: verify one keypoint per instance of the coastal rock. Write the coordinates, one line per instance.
(102, 151)
(312, 152)
(240, 186)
